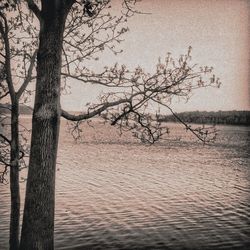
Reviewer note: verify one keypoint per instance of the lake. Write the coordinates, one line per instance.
(113, 192)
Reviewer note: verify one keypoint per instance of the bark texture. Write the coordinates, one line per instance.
(38, 220)
(14, 179)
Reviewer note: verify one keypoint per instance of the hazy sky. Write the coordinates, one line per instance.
(218, 31)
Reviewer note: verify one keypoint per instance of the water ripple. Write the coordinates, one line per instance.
(123, 195)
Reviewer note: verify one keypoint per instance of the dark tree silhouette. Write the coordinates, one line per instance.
(17, 64)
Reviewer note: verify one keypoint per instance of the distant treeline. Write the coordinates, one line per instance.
(23, 109)
(202, 117)
(220, 117)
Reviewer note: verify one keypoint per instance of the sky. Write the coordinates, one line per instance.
(217, 30)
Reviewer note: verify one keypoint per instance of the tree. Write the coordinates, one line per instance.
(17, 64)
(70, 33)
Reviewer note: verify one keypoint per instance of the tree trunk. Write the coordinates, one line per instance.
(14, 179)
(38, 219)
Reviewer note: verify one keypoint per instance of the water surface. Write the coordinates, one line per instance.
(115, 193)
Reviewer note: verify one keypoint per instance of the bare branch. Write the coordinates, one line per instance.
(201, 133)
(127, 106)
(129, 7)
(88, 115)
(4, 30)
(5, 138)
(28, 77)
(3, 95)
(32, 6)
